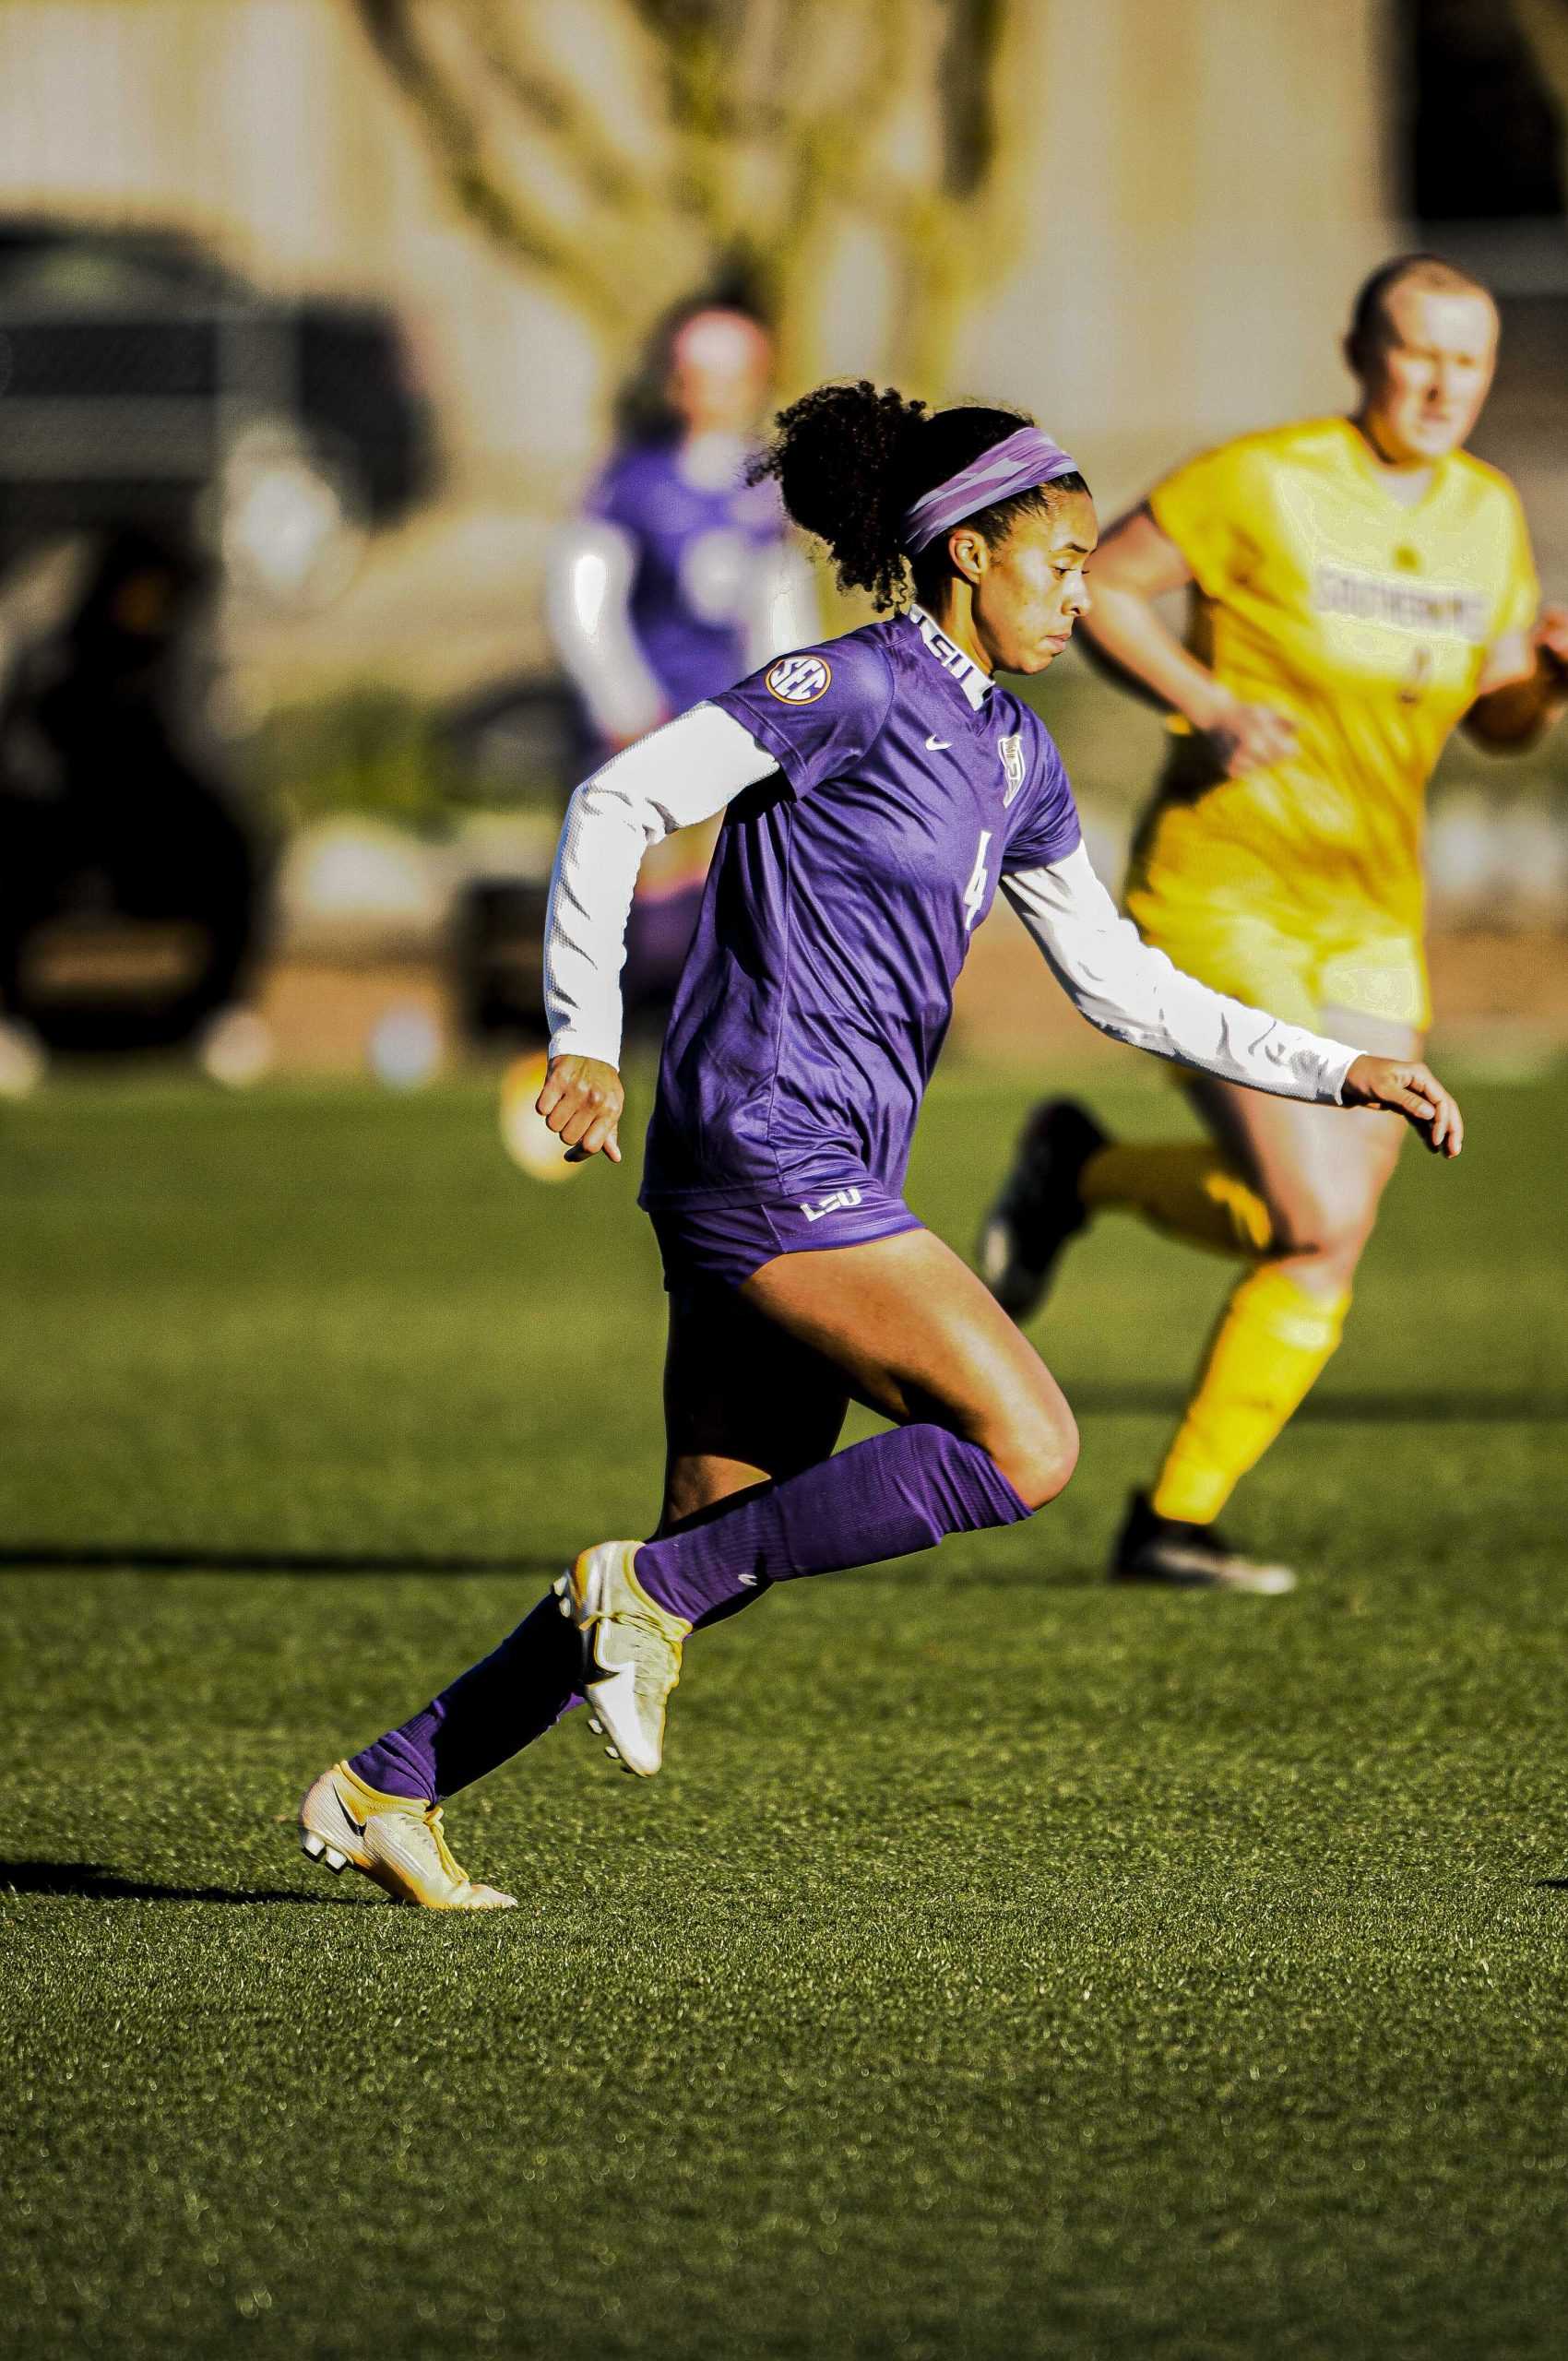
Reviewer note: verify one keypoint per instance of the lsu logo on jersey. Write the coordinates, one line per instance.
(842, 1200)
(797, 680)
(1012, 753)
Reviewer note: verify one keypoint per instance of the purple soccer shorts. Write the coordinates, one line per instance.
(700, 1238)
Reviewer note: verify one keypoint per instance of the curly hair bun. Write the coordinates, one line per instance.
(844, 456)
(849, 459)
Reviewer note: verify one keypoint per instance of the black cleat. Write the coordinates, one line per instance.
(1152, 1548)
(1040, 1208)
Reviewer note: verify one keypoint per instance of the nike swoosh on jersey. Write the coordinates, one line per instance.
(939, 745)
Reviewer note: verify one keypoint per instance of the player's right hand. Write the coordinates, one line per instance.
(582, 1102)
(1406, 1088)
(1246, 737)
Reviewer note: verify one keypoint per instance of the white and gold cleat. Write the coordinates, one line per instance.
(630, 1652)
(395, 1840)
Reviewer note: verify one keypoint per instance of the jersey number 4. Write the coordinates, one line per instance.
(974, 892)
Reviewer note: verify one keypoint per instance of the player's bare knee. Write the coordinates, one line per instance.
(1039, 1454)
(1325, 1230)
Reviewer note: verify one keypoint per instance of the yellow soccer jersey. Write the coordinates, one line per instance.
(1368, 623)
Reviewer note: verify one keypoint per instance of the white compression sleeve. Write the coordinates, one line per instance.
(685, 772)
(1135, 993)
(587, 594)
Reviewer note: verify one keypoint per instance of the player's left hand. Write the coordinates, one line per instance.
(1551, 642)
(1408, 1088)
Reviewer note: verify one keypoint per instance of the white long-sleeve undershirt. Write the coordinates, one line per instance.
(694, 766)
(1127, 989)
(686, 772)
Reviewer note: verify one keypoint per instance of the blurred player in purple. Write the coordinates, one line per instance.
(878, 790)
(677, 580)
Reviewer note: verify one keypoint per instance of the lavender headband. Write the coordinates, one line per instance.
(1026, 458)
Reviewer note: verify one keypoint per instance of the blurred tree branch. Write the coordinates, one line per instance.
(770, 130)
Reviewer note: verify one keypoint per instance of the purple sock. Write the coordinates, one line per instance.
(506, 1701)
(492, 1712)
(899, 1492)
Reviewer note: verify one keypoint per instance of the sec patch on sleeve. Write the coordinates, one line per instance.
(797, 680)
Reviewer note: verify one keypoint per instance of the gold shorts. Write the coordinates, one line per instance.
(1293, 962)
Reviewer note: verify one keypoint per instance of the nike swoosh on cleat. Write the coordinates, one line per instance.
(939, 745)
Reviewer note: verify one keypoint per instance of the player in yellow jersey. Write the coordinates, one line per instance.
(1358, 586)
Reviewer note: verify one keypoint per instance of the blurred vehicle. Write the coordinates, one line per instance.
(141, 376)
(131, 881)
(513, 752)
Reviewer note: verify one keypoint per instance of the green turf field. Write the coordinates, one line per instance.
(1002, 1966)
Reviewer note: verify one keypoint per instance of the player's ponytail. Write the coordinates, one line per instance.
(851, 459)
(842, 457)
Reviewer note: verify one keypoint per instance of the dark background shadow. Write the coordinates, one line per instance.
(91, 1881)
(132, 1557)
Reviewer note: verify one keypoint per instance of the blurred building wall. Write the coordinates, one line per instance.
(1211, 182)
(1207, 182)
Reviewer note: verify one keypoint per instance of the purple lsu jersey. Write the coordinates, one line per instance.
(838, 910)
(695, 551)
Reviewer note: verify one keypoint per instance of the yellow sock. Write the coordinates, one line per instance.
(1272, 1341)
(1184, 1188)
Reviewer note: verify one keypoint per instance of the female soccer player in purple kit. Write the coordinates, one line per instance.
(879, 789)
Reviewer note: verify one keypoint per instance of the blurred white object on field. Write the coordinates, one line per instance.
(22, 1062)
(236, 1048)
(405, 1047)
(365, 881)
